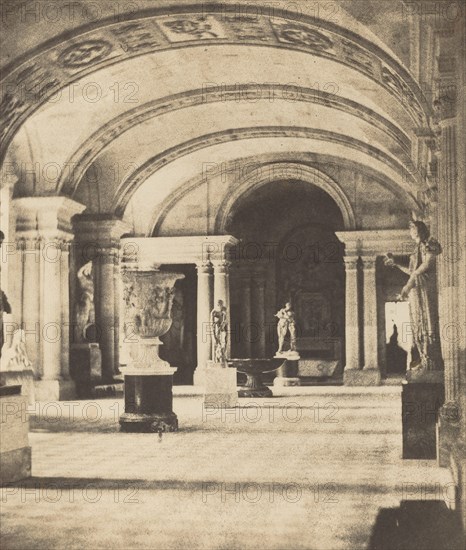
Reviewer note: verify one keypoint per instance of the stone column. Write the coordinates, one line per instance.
(352, 322)
(205, 299)
(44, 234)
(99, 241)
(246, 320)
(106, 309)
(258, 311)
(371, 368)
(451, 296)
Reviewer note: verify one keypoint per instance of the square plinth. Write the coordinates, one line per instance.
(420, 405)
(15, 453)
(220, 386)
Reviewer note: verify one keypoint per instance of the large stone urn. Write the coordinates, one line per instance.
(148, 298)
(254, 368)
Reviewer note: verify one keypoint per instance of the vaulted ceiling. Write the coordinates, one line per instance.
(128, 109)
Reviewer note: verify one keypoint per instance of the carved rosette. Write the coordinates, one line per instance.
(148, 298)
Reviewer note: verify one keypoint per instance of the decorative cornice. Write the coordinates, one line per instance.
(196, 250)
(104, 233)
(128, 186)
(46, 215)
(372, 243)
(68, 58)
(86, 154)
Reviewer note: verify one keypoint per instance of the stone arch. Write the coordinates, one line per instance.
(286, 170)
(130, 185)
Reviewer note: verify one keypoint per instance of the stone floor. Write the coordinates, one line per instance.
(313, 468)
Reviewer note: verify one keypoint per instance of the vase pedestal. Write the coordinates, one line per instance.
(421, 404)
(148, 391)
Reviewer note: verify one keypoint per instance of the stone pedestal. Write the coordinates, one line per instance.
(23, 378)
(15, 452)
(148, 295)
(421, 403)
(54, 390)
(458, 470)
(362, 377)
(85, 367)
(448, 432)
(220, 385)
(287, 374)
(148, 391)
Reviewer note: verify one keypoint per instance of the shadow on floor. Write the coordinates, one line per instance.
(417, 525)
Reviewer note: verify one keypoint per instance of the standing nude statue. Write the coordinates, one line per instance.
(286, 323)
(219, 321)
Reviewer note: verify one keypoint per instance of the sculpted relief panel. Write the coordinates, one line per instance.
(27, 86)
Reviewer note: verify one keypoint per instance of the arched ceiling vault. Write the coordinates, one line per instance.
(168, 90)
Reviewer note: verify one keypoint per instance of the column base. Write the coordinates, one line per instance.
(199, 377)
(458, 469)
(362, 377)
(54, 390)
(448, 432)
(220, 386)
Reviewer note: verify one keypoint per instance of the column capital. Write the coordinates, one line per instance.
(46, 217)
(368, 262)
(103, 231)
(351, 262)
(221, 266)
(204, 267)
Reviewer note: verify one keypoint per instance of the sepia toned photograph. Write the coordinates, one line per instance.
(232, 275)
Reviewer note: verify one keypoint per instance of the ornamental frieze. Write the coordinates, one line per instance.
(39, 78)
(85, 53)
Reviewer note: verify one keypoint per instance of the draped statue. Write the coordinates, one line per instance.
(421, 293)
(85, 313)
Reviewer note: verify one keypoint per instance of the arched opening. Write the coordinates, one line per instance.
(288, 251)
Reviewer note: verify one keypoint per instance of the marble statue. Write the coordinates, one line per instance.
(421, 293)
(85, 313)
(286, 323)
(219, 322)
(14, 355)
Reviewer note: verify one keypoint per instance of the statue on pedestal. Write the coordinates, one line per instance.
(219, 321)
(286, 323)
(85, 312)
(421, 293)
